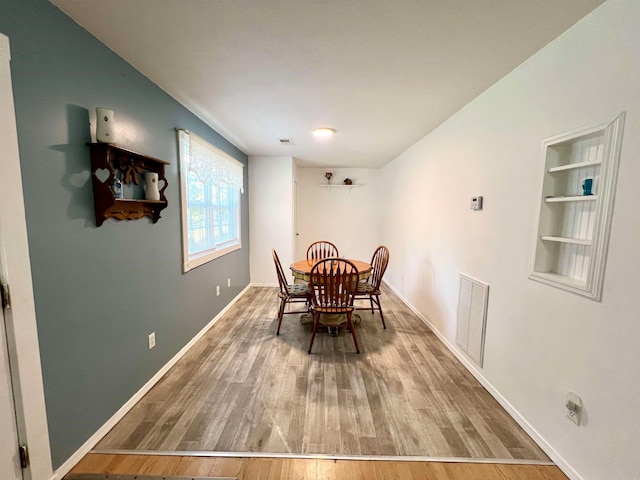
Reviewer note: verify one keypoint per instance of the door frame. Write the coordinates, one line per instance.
(15, 270)
(9, 438)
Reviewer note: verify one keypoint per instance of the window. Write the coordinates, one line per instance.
(210, 188)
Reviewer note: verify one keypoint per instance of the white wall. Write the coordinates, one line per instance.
(349, 218)
(541, 342)
(270, 215)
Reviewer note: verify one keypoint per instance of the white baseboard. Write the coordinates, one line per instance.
(109, 424)
(526, 426)
(254, 284)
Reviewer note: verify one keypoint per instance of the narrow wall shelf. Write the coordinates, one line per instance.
(329, 185)
(572, 166)
(574, 241)
(575, 198)
(571, 283)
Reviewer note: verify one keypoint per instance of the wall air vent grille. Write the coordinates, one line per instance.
(286, 141)
(472, 317)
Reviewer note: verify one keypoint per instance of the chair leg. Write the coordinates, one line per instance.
(371, 301)
(380, 310)
(316, 320)
(281, 314)
(353, 331)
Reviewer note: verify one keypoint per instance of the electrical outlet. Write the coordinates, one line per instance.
(574, 408)
(152, 340)
(217, 290)
(228, 282)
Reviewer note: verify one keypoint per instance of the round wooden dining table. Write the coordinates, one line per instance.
(302, 269)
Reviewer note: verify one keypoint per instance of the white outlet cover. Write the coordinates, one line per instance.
(574, 407)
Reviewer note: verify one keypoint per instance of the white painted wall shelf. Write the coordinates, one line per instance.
(573, 228)
(330, 185)
(575, 198)
(574, 241)
(572, 166)
(555, 278)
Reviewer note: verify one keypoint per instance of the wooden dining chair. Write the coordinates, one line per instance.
(322, 249)
(370, 288)
(296, 293)
(333, 283)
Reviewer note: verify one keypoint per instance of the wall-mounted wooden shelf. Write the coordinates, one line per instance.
(106, 160)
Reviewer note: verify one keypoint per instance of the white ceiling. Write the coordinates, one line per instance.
(383, 73)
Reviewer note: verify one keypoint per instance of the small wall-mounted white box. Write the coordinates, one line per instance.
(476, 203)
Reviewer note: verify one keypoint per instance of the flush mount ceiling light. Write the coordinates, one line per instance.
(324, 132)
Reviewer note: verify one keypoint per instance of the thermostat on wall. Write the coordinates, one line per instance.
(476, 203)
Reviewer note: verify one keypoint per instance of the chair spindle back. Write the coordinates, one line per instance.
(322, 249)
(333, 283)
(379, 263)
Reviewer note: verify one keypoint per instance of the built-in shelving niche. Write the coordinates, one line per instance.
(573, 227)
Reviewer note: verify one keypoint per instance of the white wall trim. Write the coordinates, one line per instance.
(5, 53)
(109, 424)
(258, 284)
(539, 439)
(15, 269)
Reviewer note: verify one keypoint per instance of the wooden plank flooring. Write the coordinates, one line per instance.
(243, 389)
(309, 469)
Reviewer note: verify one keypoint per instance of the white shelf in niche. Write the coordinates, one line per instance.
(573, 229)
(574, 241)
(574, 198)
(571, 166)
(570, 284)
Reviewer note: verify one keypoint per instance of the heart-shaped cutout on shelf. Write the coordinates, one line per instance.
(102, 174)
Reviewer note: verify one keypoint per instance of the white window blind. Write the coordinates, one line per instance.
(210, 188)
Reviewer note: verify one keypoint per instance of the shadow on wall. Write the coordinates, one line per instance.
(77, 175)
(420, 291)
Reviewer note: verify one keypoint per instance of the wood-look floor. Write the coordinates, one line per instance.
(243, 389)
(309, 469)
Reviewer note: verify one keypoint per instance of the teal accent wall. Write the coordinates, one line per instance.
(99, 292)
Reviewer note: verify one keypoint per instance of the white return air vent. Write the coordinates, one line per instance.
(472, 317)
(286, 141)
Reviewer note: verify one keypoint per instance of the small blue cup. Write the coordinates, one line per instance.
(587, 185)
